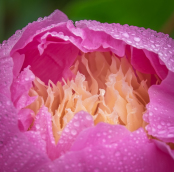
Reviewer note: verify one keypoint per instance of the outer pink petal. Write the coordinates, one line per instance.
(20, 88)
(35, 27)
(43, 125)
(42, 130)
(80, 122)
(104, 153)
(140, 38)
(20, 98)
(18, 39)
(6, 76)
(16, 152)
(25, 119)
(161, 109)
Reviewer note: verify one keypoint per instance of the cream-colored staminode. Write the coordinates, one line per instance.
(104, 85)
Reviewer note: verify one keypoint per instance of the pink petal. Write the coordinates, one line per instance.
(161, 70)
(53, 62)
(160, 110)
(164, 147)
(31, 29)
(80, 122)
(140, 62)
(36, 140)
(16, 152)
(140, 38)
(108, 37)
(43, 125)
(18, 62)
(6, 76)
(20, 88)
(25, 119)
(130, 152)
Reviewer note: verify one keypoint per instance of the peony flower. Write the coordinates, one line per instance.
(91, 97)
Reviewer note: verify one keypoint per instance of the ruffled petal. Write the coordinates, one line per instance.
(51, 61)
(25, 119)
(20, 88)
(36, 27)
(103, 151)
(16, 152)
(80, 122)
(160, 110)
(43, 126)
(140, 38)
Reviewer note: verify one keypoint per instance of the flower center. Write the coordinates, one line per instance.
(102, 84)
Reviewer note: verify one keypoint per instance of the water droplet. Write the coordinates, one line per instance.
(88, 117)
(73, 132)
(153, 129)
(66, 130)
(110, 131)
(75, 117)
(104, 133)
(98, 134)
(66, 166)
(117, 153)
(137, 39)
(61, 141)
(150, 113)
(161, 132)
(37, 126)
(125, 35)
(26, 79)
(77, 123)
(159, 126)
(104, 140)
(162, 123)
(8, 103)
(102, 156)
(168, 124)
(79, 164)
(170, 135)
(39, 19)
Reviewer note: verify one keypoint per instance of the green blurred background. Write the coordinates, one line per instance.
(155, 14)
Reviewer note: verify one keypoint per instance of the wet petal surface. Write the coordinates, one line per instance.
(96, 149)
(160, 110)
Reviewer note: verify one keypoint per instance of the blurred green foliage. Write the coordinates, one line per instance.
(154, 14)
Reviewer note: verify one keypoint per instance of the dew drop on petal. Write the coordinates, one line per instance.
(117, 153)
(73, 132)
(170, 135)
(66, 130)
(88, 117)
(150, 114)
(136, 39)
(37, 126)
(159, 126)
(76, 123)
